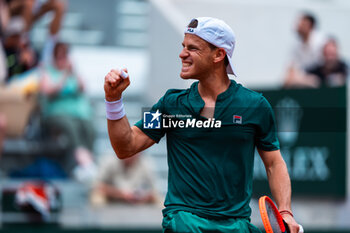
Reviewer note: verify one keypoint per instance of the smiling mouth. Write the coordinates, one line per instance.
(186, 65)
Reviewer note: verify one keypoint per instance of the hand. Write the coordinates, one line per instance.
(115, 85)
(292, 224)
(69, 67)
(142, 198)
(27, 57)
(128, 197)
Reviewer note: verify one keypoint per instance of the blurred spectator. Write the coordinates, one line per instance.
(32, 10)
(2, 131)
(3, 64)
(332, 70)
(129, 181)
(67, 112)
(20, 55)
(4, 17)
(306, 54)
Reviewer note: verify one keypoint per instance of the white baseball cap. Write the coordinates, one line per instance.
(216, 32)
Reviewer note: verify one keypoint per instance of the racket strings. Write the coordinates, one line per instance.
(273, 218)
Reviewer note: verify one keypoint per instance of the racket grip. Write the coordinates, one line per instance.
(124, 74)
(301, 229)
(286, 226)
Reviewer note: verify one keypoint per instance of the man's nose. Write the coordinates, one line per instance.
(183, 53)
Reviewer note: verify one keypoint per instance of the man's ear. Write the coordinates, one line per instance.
(219, 55)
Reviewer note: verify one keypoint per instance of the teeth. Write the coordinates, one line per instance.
(186, 64)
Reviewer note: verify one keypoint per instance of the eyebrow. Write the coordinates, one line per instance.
(190, 45)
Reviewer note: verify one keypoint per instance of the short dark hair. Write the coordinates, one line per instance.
(311, 18)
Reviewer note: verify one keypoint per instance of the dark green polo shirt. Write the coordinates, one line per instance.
(211, 169)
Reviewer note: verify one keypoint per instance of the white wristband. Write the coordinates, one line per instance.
(115, 109)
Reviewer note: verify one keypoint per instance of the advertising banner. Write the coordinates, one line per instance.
(312, 133)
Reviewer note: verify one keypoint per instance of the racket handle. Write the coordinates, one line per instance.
(286, 226)
(301, 229)
(124, 74)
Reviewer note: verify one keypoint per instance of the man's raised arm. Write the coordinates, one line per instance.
(126, 141)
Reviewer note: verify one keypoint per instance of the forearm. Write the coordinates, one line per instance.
(279, 181)
(126, 141)
(280, 184)
(121, 137)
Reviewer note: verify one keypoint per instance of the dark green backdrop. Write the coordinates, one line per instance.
(312, 133)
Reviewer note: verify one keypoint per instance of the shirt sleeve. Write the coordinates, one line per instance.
(266, 137)
(154, 134)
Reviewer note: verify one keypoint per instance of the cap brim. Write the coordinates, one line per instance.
(229, 68)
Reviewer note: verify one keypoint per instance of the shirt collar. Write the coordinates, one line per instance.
(197, 102)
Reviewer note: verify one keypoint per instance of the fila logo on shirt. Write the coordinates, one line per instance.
(237, 119)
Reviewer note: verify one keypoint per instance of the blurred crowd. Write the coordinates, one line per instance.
(67, 133)
(49, 77)
(316, 61)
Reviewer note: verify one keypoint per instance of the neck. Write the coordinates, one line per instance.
(306, 37)
(212, 86)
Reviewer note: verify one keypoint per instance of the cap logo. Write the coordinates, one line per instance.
(190, 30)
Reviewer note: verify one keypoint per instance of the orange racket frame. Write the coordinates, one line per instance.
(265, 217)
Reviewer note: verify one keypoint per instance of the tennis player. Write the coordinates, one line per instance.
(211, 153)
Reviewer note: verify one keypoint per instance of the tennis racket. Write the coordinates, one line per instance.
(271, 217)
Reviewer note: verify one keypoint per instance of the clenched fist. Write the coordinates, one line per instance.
(115, 84)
